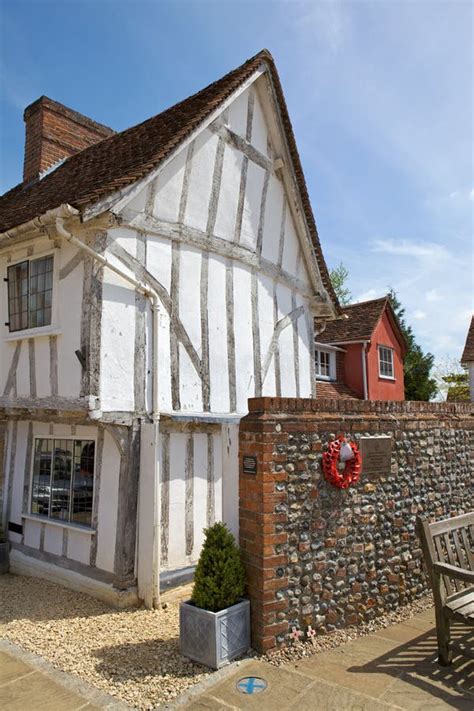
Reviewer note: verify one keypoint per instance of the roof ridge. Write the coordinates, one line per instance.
(128, 156)
(369, 301)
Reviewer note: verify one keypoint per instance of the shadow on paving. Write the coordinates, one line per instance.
(415, 663)
(133, 662)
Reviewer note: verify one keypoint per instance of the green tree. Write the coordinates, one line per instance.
(339, 277)
(219, 580)
(452, 380)
(419, 385)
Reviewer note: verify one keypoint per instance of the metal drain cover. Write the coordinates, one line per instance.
(251, 685)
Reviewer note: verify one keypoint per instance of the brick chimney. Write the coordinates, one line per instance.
(54, 132)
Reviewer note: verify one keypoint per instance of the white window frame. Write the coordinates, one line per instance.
(55, 521)
(390, 350)
(332, 363)
(53, 327)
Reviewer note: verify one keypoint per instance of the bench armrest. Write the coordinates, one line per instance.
(452, 571)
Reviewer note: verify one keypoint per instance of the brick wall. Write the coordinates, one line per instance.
(54, 132)
(332, 558)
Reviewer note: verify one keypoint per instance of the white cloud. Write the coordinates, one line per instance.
(419, 314)
(471, 194)
(433, 295)
(367, 295)
(407, 248)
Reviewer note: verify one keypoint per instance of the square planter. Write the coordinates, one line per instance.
(214, 638)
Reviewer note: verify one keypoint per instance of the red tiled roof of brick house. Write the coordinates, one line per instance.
(361, 354)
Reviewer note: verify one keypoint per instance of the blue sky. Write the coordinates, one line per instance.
(380, 94)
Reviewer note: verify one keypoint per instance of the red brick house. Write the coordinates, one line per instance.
(361, 354)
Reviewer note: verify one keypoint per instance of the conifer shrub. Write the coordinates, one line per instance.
(219, 580)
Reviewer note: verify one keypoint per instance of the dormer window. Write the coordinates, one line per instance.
(386, 363)
(30, 293)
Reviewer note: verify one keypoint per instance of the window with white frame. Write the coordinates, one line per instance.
(386, 362)
(62, 486)
(324, 364)
(30, 293)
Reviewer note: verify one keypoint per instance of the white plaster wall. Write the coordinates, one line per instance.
(287, 358)
(199, 492)
(177, 556)
(272, 222)
(117, 354)
(228, 194)
(189, 294)
(67, 304)
(168, 189)
(259, 126)
(200, 181)
(252, 202)
(219, 376)
(53, 540)
(265, 314)
(32, 533)
(237, 114)
(230, 477)
(42, 367)
(19, 477)
(23, 371)
(243, 336)
(305, 351)
(79, 545)
(108, 505)
(69, 315)
(176, 546)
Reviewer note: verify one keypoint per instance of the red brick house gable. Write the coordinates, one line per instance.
(361, 354)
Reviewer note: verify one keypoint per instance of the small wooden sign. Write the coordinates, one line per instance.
(376, 455)
(249, 464)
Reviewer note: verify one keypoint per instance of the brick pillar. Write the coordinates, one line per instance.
(263, 520)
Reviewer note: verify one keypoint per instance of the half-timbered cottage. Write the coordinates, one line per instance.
(153, 280)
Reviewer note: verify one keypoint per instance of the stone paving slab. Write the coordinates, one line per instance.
(29, 682)
(392, 669)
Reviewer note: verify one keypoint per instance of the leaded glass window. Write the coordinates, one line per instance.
(30, 293)
(63, 480)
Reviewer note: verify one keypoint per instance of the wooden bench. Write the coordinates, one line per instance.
(448, 547)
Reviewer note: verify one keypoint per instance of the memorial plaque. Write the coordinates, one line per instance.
(249, 464)
(376, 455)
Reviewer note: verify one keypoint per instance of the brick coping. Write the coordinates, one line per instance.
(284, 406)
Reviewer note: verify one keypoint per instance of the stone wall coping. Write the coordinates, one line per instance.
(288, 406)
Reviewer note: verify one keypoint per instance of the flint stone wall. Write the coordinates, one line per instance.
(333, 558)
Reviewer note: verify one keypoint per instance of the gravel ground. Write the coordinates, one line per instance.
(335, 639)
(130, 654)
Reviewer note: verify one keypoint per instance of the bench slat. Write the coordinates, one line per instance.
(467, 548)
(442, 559)
(447, 524)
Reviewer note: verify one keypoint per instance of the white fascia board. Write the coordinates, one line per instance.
(296, 206)
(115, 202)
(347, 343)
(328, 347)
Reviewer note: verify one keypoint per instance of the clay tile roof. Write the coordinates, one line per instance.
(125, 157)
(360, 324)
(468, 353)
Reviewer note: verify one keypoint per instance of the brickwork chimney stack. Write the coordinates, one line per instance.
(54, 132)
